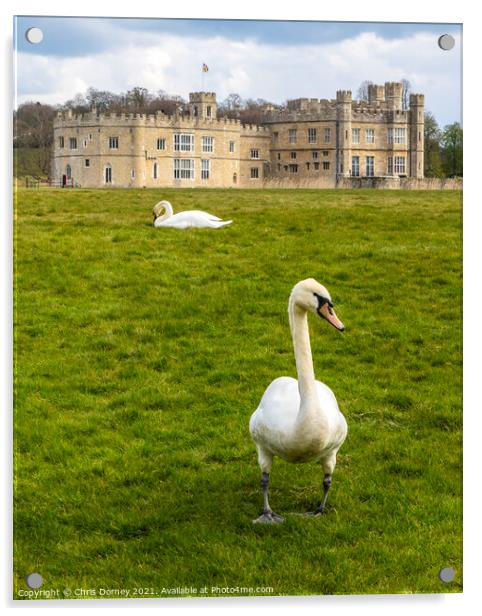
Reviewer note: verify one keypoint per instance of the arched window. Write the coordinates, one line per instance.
(155, 170)
(235, 178)
(108, 174)
(68, 172)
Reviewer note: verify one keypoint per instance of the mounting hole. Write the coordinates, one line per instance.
(34, 36)
(447, 574)
(34, 580)
(446, 42)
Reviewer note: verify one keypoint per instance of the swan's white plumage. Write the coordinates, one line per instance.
(274, 428)
(164, 217)
(299, 420)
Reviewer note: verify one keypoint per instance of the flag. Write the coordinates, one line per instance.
(205, 68)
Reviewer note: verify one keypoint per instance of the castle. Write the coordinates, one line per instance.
(311, 142)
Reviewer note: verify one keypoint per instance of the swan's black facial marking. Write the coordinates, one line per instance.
(321, 302)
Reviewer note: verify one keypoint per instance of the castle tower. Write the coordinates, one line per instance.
(343, 132)
(417, 123)
(203, 105)
(393, 95)
(376, 94)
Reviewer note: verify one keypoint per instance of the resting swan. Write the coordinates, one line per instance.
(164, 217)
(299, 420)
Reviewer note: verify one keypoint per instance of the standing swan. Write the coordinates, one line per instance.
(299, 420)
(164, 217)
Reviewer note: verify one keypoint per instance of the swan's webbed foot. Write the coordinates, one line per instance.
(269, 517)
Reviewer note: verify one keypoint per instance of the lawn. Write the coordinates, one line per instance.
(141, 353)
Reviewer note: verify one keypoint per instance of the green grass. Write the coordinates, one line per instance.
(141, 354)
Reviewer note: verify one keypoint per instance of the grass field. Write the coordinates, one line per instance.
(141, 354)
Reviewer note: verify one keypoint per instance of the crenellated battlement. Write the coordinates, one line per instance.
(417, 100)
(137, 149)
(65, 119)
(343, 96)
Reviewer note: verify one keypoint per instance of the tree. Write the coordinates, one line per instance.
(406, 88)
(362, 92)
(452, 157)
(432, 154)
(231, 106)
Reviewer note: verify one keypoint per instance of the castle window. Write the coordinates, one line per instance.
(317, 166)
(195, 112)
(355, 135)
(396, 164)
(399, 164)
(292, 154)
(397, 135)
(254, 153)
(370, 135)
(61, 142)
(205, 169)
(326, 165)
(293, 168)
(183, 169)
(419, 136)
(208, 144)
(73, 143)
(370, 166)
(209, 111)
(155, 169)
(312, 135)
(314, 154)
(68, 172)
(161, 144)
(231, 146)
(292, 135)
(327, 135)
(254, 173)
(307, 166)
(183, 142)
(114, 143)
(85, 143)
(87, 162)
(325, 152)
(133, 174)
(355, 166)
(108, 174)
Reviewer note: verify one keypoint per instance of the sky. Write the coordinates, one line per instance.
(271, 60)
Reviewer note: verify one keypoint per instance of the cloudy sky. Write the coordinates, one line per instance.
(273, 60)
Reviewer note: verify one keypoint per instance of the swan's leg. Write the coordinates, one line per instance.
(268, 516)
(326, 487)
(328, 468)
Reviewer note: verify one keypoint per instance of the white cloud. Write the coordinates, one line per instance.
(250, 68)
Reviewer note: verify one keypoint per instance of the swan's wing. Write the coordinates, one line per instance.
(278, 408)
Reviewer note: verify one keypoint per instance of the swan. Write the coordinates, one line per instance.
(299, 420)
(164, 217)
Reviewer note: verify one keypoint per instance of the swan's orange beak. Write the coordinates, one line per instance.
(328, 313)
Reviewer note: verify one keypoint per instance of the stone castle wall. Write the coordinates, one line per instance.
(313, 142)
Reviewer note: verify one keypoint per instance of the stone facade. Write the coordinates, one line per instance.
(310, 143)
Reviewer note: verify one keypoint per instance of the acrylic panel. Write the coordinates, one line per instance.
(209, 216)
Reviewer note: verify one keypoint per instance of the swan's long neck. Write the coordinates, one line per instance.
(168, 211)
(304, 361)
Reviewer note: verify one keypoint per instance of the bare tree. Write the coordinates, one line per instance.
(406, 88)
(362, 92)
